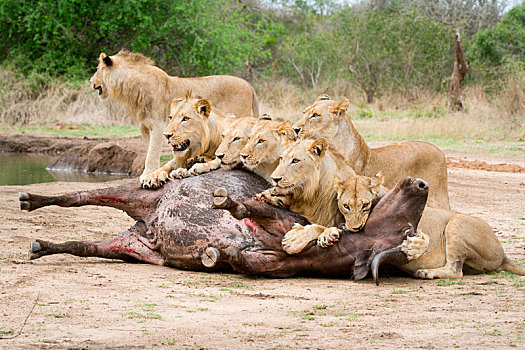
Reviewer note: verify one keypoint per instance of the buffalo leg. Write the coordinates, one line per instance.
(129, 198)
(125, 246)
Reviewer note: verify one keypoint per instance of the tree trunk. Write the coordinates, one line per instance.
(458, 75)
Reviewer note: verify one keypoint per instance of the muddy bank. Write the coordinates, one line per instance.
(102, 155)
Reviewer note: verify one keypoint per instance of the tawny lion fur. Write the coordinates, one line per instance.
(327, 118)
(266, 143)
(147, 91)
(455, 239)
(194, 131)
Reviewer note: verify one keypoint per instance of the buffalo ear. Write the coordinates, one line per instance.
(341, 108)
(319, 147)
(362, 263)
(105, 58)
(323, 97)
(203, 107)
(285, 129)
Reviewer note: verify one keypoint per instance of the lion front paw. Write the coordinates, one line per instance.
(199, 168)
(328, 237)
(295, 240)
(269, 196)
(155, 179)
(415, 246)
(442, 272)
(180, 173)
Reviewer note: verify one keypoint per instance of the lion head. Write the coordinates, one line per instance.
(106, 79)
(234, 139)
(187, 131)
(356, 196)
(321, 119)
(266, 143)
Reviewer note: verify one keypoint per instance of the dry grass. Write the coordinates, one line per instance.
(417, 115)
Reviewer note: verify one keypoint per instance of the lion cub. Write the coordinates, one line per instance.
(194, 130)
(454, 239)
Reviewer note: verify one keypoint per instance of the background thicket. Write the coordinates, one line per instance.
(381, 54)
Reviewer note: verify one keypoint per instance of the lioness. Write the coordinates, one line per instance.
(265, 145)
(303, 181)
(327, 118)
(455, 239)
(147, 92)
(193, 131)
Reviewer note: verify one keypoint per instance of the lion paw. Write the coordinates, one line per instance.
(155, 179)
(443, 272)
(295, 240)
(328, 237)
(269, 196)
(199, 168)
(415, 246)
(180, 173)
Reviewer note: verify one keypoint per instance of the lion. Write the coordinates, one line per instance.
(194, 132)
(147, 91)
(327, 118)
(454, 239)
(265, 145)
(303, 182)
(227, 155)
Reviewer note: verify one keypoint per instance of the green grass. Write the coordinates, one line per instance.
(83, 129)
(450, 282)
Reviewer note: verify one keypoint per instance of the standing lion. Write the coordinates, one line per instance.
(147, 92)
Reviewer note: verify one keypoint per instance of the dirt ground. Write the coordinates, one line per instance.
(91, 303)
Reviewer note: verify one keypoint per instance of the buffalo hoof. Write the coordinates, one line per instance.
(221, 199)
(36, 250)
(210, 257)
(23, 197)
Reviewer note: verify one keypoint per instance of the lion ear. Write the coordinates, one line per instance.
(285, 129)
(323, 97)
(265, 116)
(319, 147)
(203, 107)
(376, 182)
(105, 58)
(338, 186)
(341, 108)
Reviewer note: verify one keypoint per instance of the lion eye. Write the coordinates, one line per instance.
(260, 141)
(169, 117)
(346, 206)
(314, 115)
(236, 139)
(185, 119)
(295, 161)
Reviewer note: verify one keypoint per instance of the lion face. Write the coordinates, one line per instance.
(320, 119)
(98, 79)
(187, 130)
(355, 198)
(298, 169)
(233, 141)
(266, 142)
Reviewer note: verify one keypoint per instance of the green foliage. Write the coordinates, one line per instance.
(64, 37)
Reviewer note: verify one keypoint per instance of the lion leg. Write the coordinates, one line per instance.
(416, 245)
(295, 240)
(154, 142)
(455, 250)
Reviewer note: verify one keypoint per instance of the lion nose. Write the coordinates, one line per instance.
(244, 156)
(297, 130)
(168, 136)
(421, 184)
(276, 179)
(220, 156)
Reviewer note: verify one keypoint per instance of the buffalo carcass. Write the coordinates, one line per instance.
(177, 227)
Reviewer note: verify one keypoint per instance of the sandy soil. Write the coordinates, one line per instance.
(98, 304)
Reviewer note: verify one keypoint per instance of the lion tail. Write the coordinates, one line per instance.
(510, 267)
(255, 103)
